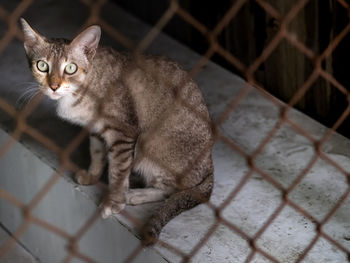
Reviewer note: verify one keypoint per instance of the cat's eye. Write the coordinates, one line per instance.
(42, 66)
(71, 68)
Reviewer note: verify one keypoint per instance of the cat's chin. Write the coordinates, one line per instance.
(54, 96)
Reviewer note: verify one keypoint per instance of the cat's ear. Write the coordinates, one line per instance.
(87, 41)
(31, 37)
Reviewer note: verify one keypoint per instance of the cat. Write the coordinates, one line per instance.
(144, 114)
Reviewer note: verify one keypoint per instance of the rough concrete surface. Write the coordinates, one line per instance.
(284, 157)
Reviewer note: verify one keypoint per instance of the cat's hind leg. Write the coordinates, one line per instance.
(98, 162)
(145, 195)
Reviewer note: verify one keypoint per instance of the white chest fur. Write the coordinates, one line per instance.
(78, 113)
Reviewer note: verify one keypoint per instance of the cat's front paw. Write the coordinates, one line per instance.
(111, 208)
(84, 178)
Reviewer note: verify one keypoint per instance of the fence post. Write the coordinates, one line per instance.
(287, 68)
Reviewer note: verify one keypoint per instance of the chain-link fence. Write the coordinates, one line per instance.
(248, 71)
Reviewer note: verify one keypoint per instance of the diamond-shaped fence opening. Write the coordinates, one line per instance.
(296, 197)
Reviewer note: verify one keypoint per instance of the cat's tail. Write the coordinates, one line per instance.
(174, 205)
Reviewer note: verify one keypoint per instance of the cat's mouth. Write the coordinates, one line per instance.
(53, 95)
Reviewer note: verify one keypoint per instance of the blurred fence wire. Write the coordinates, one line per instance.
(175, 9)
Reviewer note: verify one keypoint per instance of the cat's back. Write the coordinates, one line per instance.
(156, 82)
(145, 76)
(108, 64)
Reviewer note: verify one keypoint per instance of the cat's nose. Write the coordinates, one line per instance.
(54, 86)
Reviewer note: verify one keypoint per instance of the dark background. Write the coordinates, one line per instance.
(250, 31)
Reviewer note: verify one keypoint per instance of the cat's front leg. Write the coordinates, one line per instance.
(98, 162)
(120, 158)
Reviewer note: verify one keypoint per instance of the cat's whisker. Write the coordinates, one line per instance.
(31, 98)
(27, 86)
(26, 83)
(24, 94)
(31, 88)
(26, 97)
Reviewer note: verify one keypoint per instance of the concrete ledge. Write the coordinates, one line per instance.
(64, 206)
(23, 171)
(18, 253)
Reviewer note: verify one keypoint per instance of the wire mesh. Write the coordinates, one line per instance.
(175, 9)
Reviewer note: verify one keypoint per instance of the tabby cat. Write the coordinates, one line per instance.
(145, 115)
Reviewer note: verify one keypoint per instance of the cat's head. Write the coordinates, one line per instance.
(60, 66)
